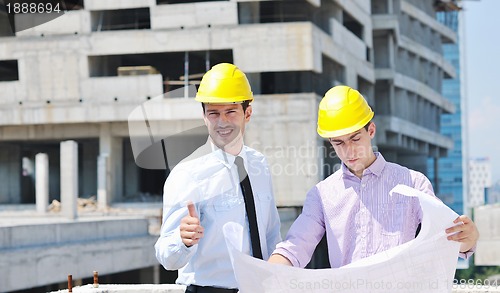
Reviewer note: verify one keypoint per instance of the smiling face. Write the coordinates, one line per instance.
(355, 149)
(226, 125)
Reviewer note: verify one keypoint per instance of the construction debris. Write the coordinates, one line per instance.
(84, 204)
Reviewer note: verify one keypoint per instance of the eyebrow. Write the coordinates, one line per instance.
(209, 111)
(351, 137)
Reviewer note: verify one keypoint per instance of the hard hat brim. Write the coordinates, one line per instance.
(219, 100)
(344, 131)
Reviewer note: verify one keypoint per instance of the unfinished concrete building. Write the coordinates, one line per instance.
(410, 67)
(80, 76)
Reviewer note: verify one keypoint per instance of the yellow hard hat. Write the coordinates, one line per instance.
(224, 83)
(342, 110)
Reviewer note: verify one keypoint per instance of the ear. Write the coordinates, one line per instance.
(248, 113)
(372, 129)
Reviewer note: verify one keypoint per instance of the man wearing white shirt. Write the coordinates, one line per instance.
(224, 181)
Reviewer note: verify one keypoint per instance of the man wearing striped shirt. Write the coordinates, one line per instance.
(353, 206)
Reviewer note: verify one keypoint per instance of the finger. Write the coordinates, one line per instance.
(453, 229)
(457, 228)
(189, 228)
(188, 235)
(466, 220)
(190, 242)
(463, 218)
(460, 237)
(188, 220)
(192, 209)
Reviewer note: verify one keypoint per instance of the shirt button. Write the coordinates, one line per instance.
(363, 185)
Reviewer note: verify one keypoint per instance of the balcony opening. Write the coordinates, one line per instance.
(123, 19)
(333, 74)
(9, 70)
(170, 65)
(290, 82)
(353, 25)
(381, 50)
(141, 185)
(281, 11)
(284, 11)
(382, 93)
(286, 82)
(18, 161)
(366, 88)
(380, 7)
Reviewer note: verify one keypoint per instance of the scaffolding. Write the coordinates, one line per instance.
(447, 5)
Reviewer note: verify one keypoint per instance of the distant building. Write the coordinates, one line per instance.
(488, 223)
(479, 180)
(492, 194)
(450, 180)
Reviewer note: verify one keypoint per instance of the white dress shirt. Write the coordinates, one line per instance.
(211, 181)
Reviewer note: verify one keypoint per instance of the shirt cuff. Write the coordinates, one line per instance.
(288, 255)
(467, 254)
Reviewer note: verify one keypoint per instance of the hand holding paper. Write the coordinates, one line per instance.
(425, 264)
(465, 232)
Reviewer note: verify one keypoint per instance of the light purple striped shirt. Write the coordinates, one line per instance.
(359, 216)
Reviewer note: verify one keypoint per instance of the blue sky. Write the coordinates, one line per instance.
(482, 73)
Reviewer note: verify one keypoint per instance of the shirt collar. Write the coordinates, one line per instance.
(375, 168)
(378, 165)
(226, 158)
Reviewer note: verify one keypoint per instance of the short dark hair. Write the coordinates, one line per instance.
(367, 125)
(244, 104)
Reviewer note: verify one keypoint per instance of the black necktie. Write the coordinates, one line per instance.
(246, 189)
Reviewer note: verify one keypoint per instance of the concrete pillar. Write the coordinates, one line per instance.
(337, 13)
(103, 182)
(391, 45)
(392, 98)
(112, 146)
(69, 178)
(42, 182)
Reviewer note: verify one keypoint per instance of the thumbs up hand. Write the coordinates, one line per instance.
(191, 230)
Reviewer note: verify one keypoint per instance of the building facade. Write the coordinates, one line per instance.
(480, 180)
(451, 179)
(76, 77)
(492, 195)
